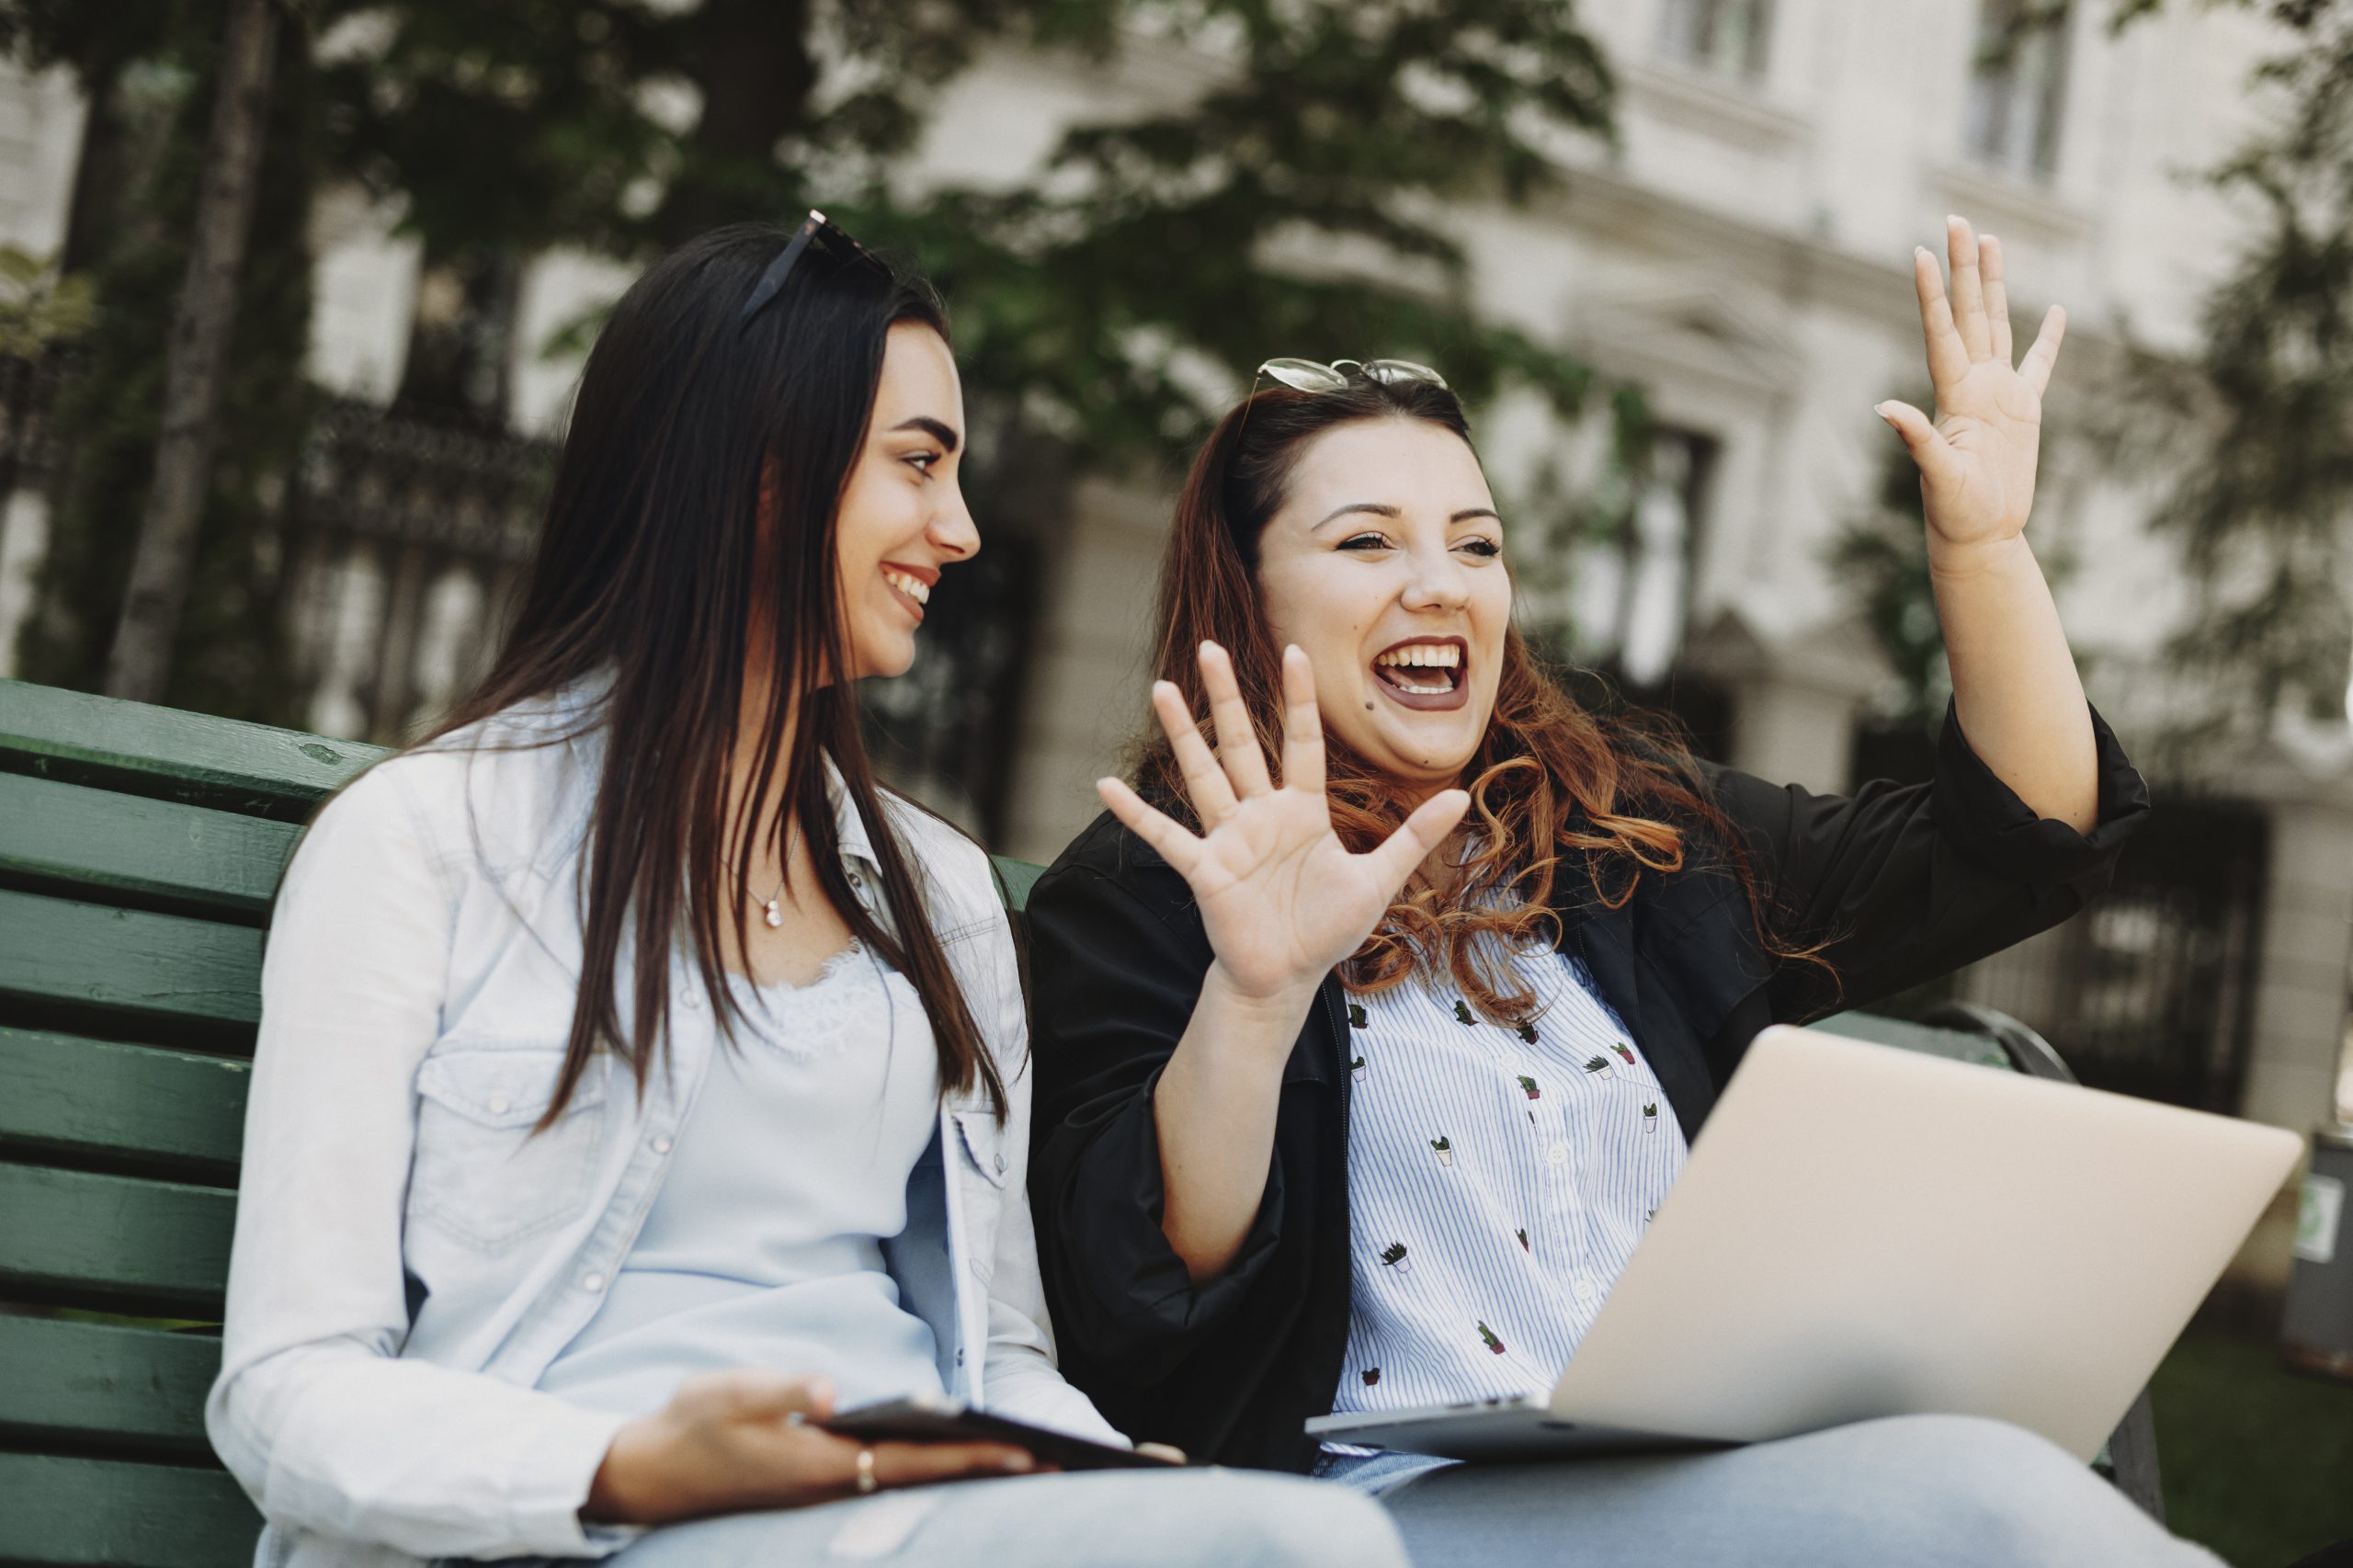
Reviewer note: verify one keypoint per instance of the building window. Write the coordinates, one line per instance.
(1725, 36)
(2017, 86)
(1630, 590)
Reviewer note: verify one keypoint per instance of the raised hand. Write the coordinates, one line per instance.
(1977, 459)
(1283, 900)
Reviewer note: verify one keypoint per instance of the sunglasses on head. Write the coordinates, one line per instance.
(815, 230)
(1314, 375)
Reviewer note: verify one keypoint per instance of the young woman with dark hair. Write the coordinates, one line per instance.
(638, 1079)
(1359, 1076)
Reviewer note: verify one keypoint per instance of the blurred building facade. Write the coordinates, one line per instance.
(1743, 253)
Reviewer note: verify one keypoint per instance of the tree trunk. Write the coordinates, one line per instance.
(752, 61)
(141, 656)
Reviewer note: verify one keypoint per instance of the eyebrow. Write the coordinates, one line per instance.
(1381, 509)
(943, 434)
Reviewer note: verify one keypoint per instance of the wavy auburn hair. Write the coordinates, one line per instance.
(1552, 786)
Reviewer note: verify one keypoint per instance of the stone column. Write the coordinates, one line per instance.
(1089, 680)
(2301, 978)
(1796, 698)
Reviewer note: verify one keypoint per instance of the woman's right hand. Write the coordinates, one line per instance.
(736, 1441)
(1283, 900)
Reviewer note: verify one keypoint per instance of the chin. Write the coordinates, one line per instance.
(884, 658)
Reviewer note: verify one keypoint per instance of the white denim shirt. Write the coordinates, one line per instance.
(408, 1260)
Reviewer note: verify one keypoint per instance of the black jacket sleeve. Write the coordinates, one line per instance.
(1901, 883)
(1118, 957)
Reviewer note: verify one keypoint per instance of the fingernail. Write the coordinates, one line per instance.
(1019, 1462)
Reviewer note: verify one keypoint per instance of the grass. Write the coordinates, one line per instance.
(2257, 1461)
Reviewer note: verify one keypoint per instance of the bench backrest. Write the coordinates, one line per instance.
(140, 848)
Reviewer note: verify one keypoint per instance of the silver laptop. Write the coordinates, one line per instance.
(1864, 1232)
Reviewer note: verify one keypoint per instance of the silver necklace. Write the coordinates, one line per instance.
(772, 906)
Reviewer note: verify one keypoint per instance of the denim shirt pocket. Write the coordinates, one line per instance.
(480, 1175)
(983, 1144)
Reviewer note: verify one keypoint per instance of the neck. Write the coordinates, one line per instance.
(771, 816)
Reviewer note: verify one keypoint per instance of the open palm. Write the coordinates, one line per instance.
(1283, 900)
(1977, 459)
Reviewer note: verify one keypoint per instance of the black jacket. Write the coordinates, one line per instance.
(1908, 881)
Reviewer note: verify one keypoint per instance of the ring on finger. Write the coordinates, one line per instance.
(865, 1482)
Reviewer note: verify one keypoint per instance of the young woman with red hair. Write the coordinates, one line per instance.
(1359, 1077)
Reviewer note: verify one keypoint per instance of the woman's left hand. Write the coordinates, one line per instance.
(1977, 459)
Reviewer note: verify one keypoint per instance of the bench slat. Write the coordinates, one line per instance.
(252, 769)
(91, 1383)
(77, 1513)
(123, 971)
(1952, 1044)
(125, 849)
(97, 1240)
(1019, 877)
(94, 1100)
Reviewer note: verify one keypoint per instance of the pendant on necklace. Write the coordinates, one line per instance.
(774, 916)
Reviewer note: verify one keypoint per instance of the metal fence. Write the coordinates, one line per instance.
(408, 538)
(411, 539)
(2150, 992)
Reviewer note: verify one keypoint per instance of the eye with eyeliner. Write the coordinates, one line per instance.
(1365, 542)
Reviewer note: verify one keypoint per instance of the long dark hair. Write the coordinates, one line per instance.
(694, 509)
(1620, 794)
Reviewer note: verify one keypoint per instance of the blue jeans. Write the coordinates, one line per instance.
(1919, 1491)
(1213, 1519)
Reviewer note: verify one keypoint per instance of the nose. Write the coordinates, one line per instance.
(953, 531)
(1438, 580)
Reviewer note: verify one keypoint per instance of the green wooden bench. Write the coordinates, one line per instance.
(139, 850)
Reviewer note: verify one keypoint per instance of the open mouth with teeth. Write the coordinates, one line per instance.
(912, 590)
(1424, 672)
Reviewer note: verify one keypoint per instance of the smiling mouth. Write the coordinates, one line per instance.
(912, 590)
(1424, 672)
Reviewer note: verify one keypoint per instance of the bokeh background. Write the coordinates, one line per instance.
(1662, 245)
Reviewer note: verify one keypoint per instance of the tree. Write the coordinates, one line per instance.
(141, 661)
(1293, 204)
(146, 66)
(1087, 303)
(2258, 426)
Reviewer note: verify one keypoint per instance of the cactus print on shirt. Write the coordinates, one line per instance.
(1499, 1176)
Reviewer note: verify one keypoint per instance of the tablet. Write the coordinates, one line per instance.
(938, 1420)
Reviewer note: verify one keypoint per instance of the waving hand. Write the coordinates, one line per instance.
(1283, 900)
(1977, 461)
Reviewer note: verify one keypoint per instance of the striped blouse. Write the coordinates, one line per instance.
(1498, 1181)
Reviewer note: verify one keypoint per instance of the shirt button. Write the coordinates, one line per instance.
(592, 1282)
(1581, 1287)
(1557, 1153)
(693, 1000)
(661, 1145)
(498, 1103)
(1000, 1164)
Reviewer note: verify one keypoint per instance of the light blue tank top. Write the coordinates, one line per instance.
(763, 1246)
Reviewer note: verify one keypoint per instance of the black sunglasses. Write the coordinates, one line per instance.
(816, 228)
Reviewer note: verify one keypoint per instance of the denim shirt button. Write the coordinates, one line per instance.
(498, 1103)
(661, 1145)
(592, 1282)
(1000, 1164)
